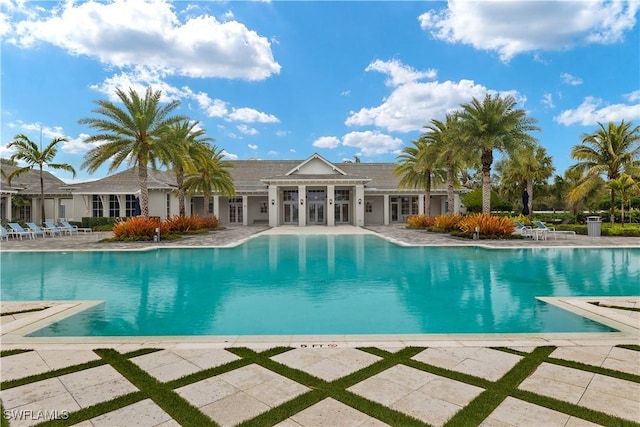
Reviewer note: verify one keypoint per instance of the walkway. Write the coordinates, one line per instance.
(530, 380)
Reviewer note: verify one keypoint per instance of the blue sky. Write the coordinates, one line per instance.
(282, 80)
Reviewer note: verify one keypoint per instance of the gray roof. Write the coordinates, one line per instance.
(28, 183)
(126, 182)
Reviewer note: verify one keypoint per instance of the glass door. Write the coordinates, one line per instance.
(290, 207)
(235, 210)
(315, 203)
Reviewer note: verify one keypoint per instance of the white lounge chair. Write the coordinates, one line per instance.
(523, 230)
(75, 228)
(552, 230)
(4, 234)
(37, 231)
(55, 229)
(19, 231)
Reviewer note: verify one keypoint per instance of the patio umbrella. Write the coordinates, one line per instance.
(525, 202)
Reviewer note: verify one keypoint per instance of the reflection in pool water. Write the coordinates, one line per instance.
(331, 284)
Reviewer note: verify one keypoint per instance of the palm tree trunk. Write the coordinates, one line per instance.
(530, 201)
(450, 194)
(427, 195)
(612, 210)
(144, 189)
(42, 218)
(181, 196)
(487, 160)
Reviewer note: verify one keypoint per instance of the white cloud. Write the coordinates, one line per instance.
(399, 73)
(247, 130)
(150, 33)
(282, 133)
(228, 155)
(633, 96)
(371, 143)
(570, 80)
(514, 27)
(250, 115)
(594, 110)
(547, 100)
(272, 153)
(252, 146)
(326, 142)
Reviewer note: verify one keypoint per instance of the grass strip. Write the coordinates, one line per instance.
(51, 374)
(172, 403)
(140, 352)
(30, 310)
(4, 422)
(495, 392)
(571, 409)
(96, 410)
(595, 369)
(4, 353)
(633, 347)
(322, 389)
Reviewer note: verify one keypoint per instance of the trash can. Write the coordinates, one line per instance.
(594, 224)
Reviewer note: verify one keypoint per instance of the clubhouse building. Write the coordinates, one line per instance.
(268, 192)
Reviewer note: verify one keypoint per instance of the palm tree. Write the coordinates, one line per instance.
(626, 186)
(416, 168)
(609, 151)
(448, 141)
(494, 124)
(193, 144)
(528, 165)
(29, 152)
(135, 133)
(212, 176)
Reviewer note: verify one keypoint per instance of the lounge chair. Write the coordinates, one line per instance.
(75, 228)
(523, 230)
(4, 234)
(37, 231)
(55, 229)
(19, 231)
(551, 230)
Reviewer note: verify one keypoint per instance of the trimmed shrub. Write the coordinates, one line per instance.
(489, 225)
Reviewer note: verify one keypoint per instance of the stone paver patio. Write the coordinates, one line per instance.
(522, 380)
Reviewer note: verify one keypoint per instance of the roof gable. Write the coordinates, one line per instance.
(316, 165)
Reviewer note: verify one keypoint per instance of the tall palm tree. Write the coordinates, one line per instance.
(417, 168)
(29, 152)
(212, 176)
(134, 133)
(528, 165)
(494, 124)
(609, 151)
(448, 141)
(626, 186)
(193, 144)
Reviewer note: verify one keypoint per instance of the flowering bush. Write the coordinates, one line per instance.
(138, 228)
(420, 221)
(447, 222)
(488, 225)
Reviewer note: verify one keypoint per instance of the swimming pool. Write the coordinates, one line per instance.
(319, 284)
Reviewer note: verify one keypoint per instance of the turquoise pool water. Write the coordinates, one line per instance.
(319, 285)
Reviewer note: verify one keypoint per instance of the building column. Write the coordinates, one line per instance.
(274, 205)
(331, 196)
(360, 205)
(8, 208)
(216, 207)
(385, 212)
(421, 205)
(456, 203)
(245, 210)
(302, 205)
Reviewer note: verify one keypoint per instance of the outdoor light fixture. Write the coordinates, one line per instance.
(359, 201)
(330, 201)
(273, 202)
(302, 201)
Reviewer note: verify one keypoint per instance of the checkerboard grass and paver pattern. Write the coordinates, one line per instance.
(411, 386)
